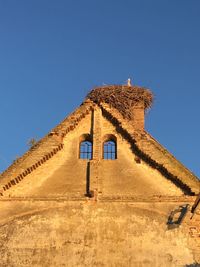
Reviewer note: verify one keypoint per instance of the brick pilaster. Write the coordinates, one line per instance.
(138, 116)
(97, 150)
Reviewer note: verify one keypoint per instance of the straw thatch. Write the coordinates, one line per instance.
(122, 97)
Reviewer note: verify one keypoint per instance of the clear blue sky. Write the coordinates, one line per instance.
(53, 52)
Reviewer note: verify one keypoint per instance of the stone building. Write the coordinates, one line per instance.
(98, 190)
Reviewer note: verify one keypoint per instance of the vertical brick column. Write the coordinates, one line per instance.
(138, 116)
(97, 147)
(97, 134)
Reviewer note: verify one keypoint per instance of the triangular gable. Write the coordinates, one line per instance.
(141, 143)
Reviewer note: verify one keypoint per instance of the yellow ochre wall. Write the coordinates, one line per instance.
(47, 219)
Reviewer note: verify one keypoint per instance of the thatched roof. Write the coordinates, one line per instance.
(122, 97)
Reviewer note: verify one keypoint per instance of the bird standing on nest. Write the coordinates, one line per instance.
(129, 82)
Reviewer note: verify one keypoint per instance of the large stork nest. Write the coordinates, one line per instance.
(122, 97)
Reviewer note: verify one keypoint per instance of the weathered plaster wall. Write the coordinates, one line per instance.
(125, 176)
(50, 233)
(65, 174)
(46, 219)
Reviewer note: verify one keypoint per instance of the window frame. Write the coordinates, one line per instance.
(85, 148)
(110, 142)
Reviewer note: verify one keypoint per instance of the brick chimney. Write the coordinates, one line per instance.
(138, 116)
(130, 101)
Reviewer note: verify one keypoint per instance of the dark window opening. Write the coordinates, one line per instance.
(109, 150)
(85, 150)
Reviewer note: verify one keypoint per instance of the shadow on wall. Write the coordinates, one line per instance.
(89, 193)
(193, 265)
(176, 217)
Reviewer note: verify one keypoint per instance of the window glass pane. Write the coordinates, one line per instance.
(82, 148)
(85, 150)
(90, 149)
(109, 150)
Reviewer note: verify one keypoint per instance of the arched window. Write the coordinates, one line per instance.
(85, 150)
(109, 150)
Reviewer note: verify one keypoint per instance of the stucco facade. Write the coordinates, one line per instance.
(59, 210)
